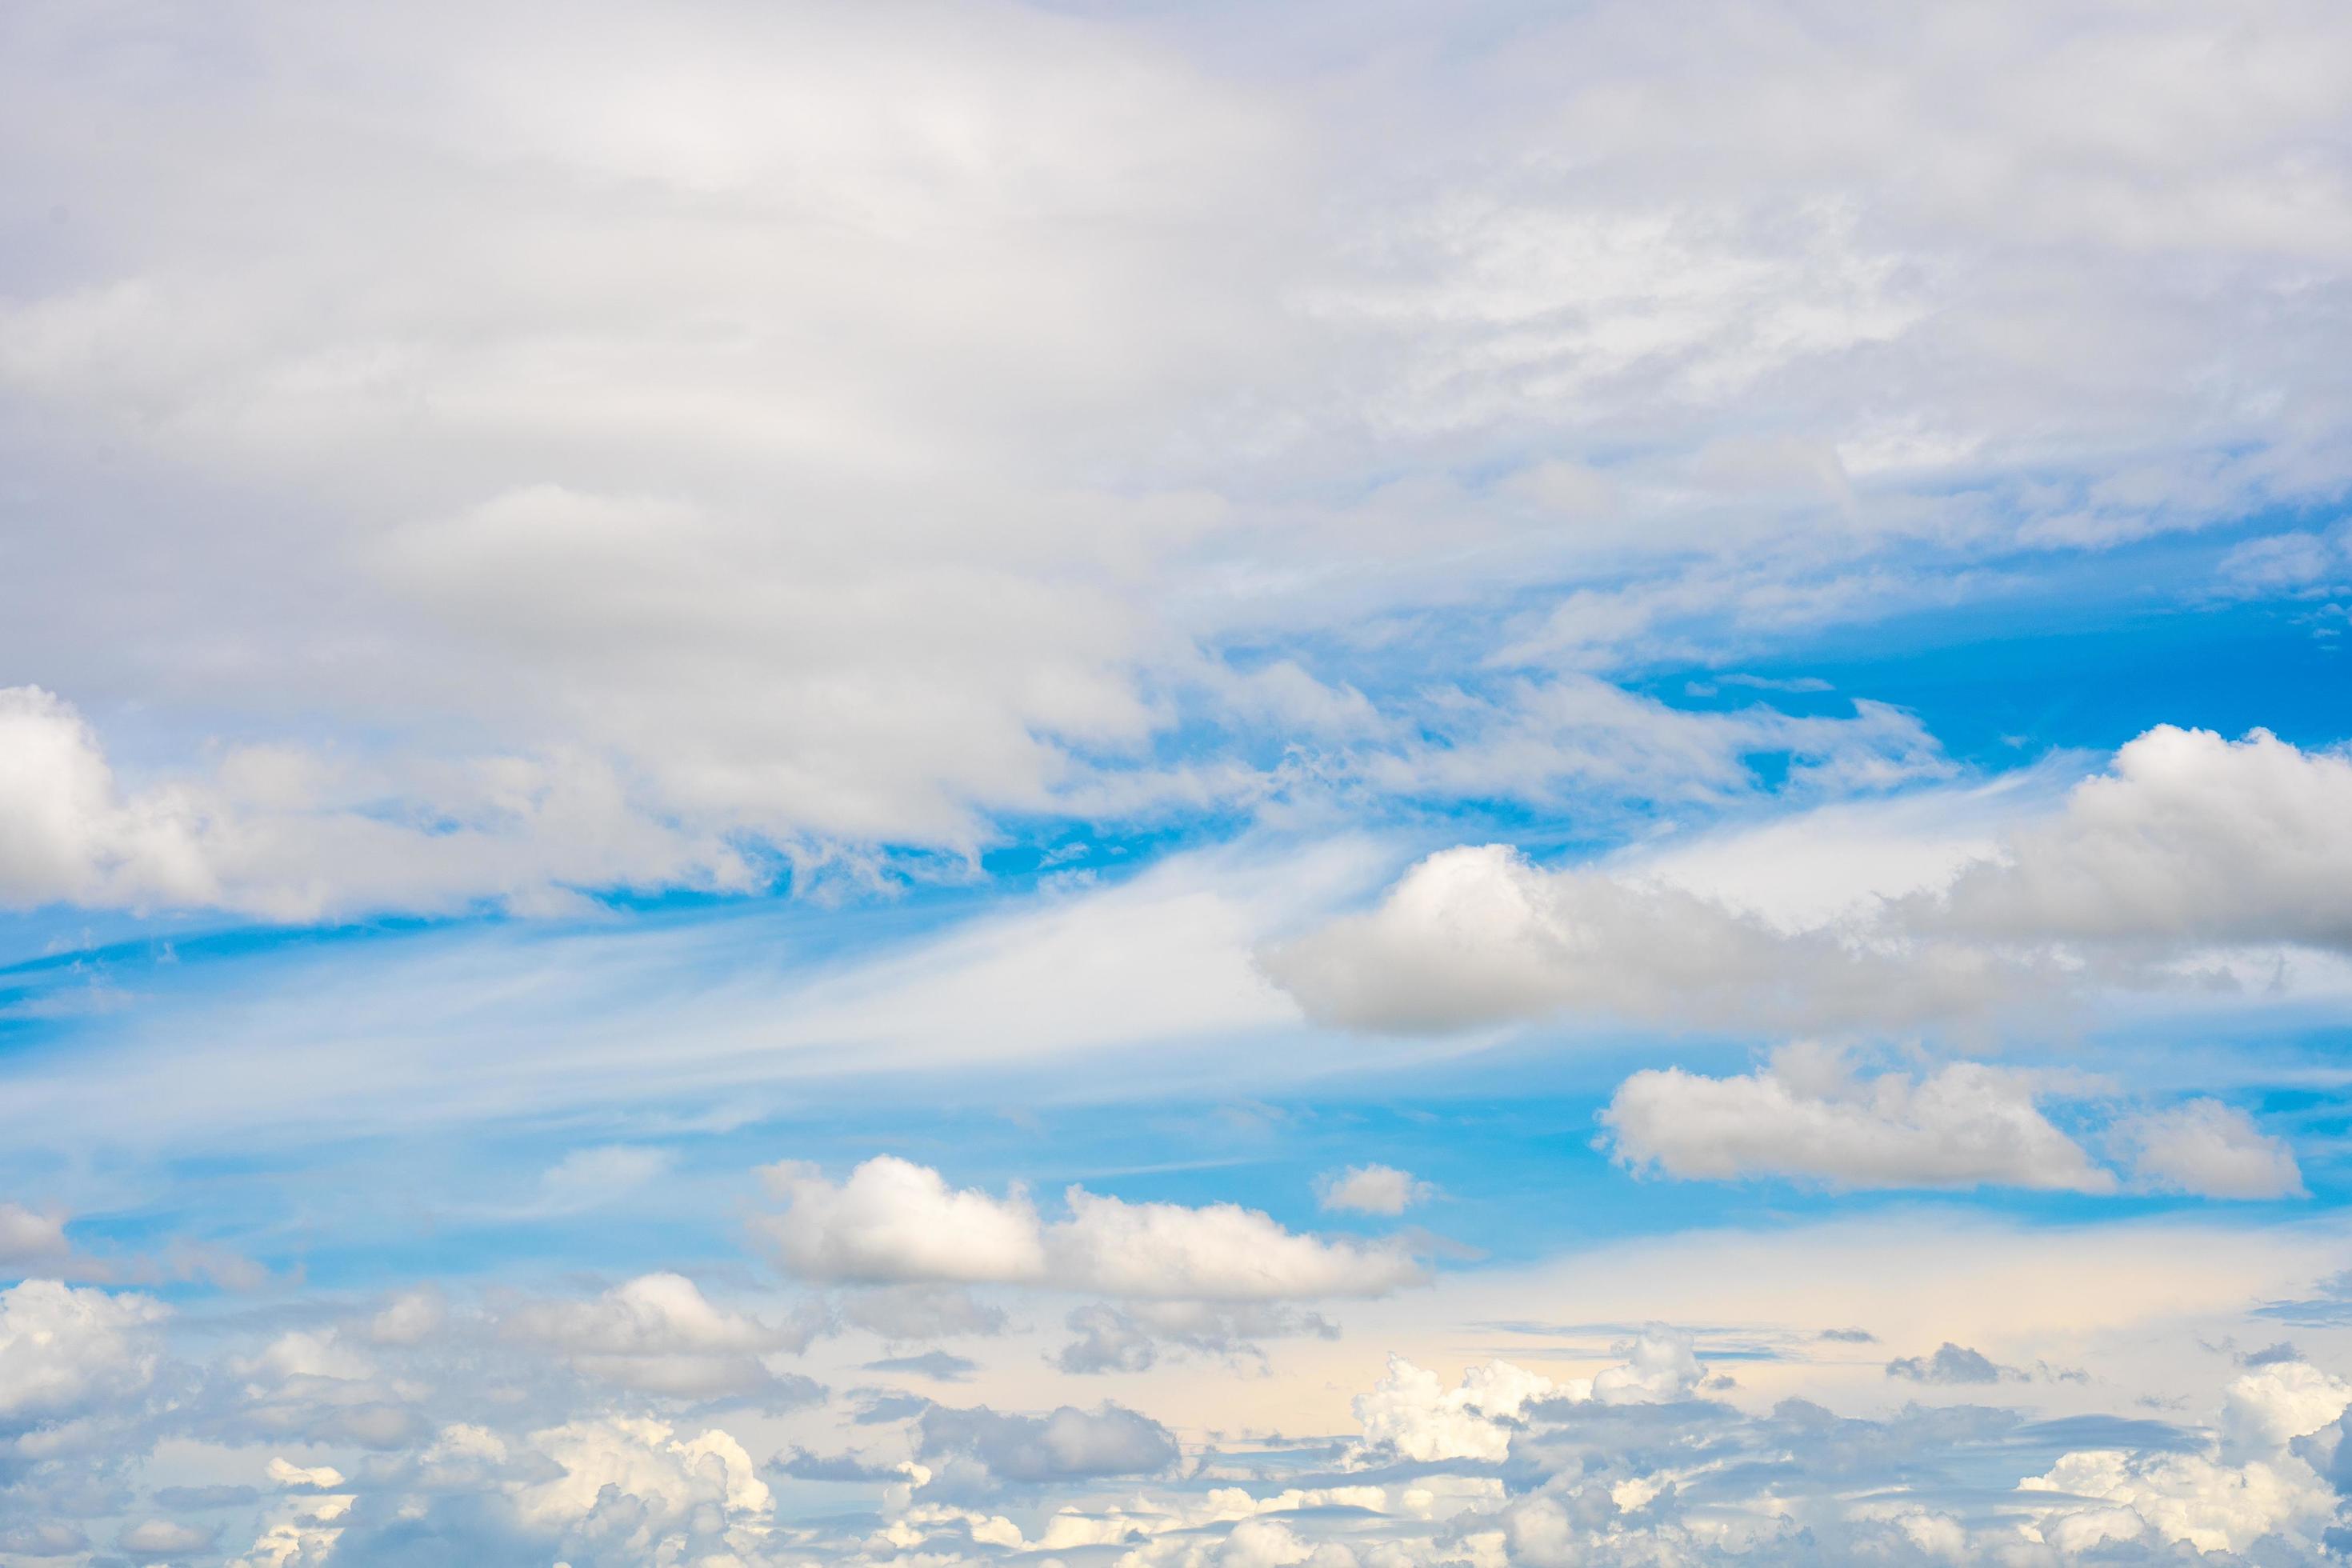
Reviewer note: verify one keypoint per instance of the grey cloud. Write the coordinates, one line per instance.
(1951, 1364)
(936, 1364)
(1066, 1444)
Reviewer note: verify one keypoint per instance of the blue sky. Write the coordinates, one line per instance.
(1117, 786)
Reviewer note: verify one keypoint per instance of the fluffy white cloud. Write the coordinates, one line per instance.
(1414, 1413)
(893, 1220)
(1479, 935)
(657, 1333)
(1808, 1115)
(1371, 1189)
(640, 1491)
(62, 1348)
(2187, 838)
(2212, 1148)
(2226, 1500)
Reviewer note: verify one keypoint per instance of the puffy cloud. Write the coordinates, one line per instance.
(636, 1490)
(1479, 935)
(2253, 1485)
(1218, 1252)
(658, 1334)
(2186, 843)
(64, 1347)
(1068, 1443)
(1806, 1115)
(1412, 1413)
(893, 1220)
(2187, 838)
(1371, 1189)
(2209, 1148)
(1951, 1364)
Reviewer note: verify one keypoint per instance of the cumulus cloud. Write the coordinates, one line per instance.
(2211, 1149)
(2188, 842)
(1371, 1189)
(1064, 1445)
(1479, 935)
(63, 1347)
(1951, 1364)
(2187, 838)
(1411, 1412)
(893, 1220)
(658, 1334)
(1808, 1115)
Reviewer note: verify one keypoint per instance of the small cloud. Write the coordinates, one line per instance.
(1951, 1364)
(590, 1178)
(935, 1365)
(1371, 1189)
(1849, 1336)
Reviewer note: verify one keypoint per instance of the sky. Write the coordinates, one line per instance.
(1113, 785)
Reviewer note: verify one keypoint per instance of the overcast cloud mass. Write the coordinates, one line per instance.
(1108, 785)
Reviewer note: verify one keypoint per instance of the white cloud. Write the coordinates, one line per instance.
(288, 836)
(2188, 843)
(657, 1333)
(663, 1481)
(1371, 1189)
(2209, 1148)
(1479, 935)
(2226, 1500)
(1809, 1116)
(919, 408)
(410, 1318)
(2187, 838)
(62, 1348)
(895, 1221)
(1412, 1413)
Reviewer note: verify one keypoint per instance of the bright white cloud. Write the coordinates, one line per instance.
(62, 1347)
(895, 1221)
(2225, 1500)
